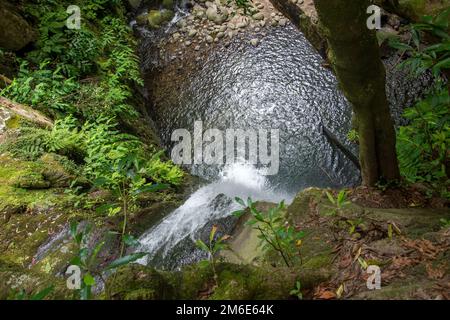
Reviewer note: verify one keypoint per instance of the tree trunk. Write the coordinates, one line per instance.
(361, 75)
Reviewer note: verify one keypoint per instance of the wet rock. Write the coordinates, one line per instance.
(156, 17)
(142, 19)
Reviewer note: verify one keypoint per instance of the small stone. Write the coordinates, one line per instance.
(257, 29)
(258, 16)
(231, 26)
(222, 28)
(209, 39)
(176, 36)
(192, 33)
(197, 48)
(254, 42)
(220, 35)
(274, 23)
(187, 43)
(273, 14)
(262, 23)
(241, 25)
(283, 22)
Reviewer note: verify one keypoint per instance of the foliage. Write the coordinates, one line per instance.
(424, 143)
(422, 58)
(353, 136)
(99, 147)
(245, 5)
(82, 72)
(275, 234)
(297, 291)
(338, 203)
(86, 260)
(23, 295)
(215, 245)
(445, 223)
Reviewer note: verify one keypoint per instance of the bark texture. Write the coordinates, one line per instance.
(356, 59)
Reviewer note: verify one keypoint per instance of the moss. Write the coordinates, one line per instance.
(157, 17)
(138, 282)
(416, 9)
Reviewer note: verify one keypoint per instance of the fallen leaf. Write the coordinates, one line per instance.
(435, 273)
(327, 295)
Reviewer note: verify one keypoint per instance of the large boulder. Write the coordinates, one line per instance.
(15, 32)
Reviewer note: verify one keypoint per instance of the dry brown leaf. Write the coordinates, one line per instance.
(327, 295)
(435, 273)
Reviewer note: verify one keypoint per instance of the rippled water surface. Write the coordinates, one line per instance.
(279, 84)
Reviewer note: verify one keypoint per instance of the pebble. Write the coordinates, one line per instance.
(254, 42)
(241, 25)
(192, 33)
(258, 16)
(209, 39)
(220, 35)
(283, 22)
(187, 43)
(197, 48)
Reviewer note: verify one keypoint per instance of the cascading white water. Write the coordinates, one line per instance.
(236, 180)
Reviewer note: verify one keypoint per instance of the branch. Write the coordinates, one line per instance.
(26, 112)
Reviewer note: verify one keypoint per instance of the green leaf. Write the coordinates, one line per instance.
(330, 197)
(200, 244)
(204, 264)
(151, 188)
(238, 213)
(126, 260)
(130, 241)
(240, 201)
(42, 294)
(73, 228)
(88, 280)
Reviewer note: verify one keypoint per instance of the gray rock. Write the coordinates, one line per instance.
(258, 16)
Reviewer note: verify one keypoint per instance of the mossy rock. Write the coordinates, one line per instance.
(14, 278)
(57, 170)
(416, 9)
(137, 282)
(156, 18)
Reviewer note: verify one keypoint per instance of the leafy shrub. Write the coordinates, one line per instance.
(275, 233)
(423, 144)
